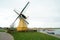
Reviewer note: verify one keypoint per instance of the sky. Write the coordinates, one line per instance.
(40, 13)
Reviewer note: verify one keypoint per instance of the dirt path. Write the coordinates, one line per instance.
(5, 36)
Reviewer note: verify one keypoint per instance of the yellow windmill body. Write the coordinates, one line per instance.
(22, 26)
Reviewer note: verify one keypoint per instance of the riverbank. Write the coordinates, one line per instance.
(55, 35)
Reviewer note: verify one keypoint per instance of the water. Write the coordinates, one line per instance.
(56, 31)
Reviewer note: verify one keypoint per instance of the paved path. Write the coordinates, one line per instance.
(5, 36)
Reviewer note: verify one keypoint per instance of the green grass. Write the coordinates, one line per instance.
(2, 30)
(32, 36)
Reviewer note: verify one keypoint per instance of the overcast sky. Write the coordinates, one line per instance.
(40, 13)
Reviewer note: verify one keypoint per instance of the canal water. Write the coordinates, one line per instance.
(56, 31)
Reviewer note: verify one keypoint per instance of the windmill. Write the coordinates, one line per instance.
(22, 26)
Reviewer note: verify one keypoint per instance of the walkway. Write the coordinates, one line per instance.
(5, 36)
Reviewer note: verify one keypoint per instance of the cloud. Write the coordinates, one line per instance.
(42, 13)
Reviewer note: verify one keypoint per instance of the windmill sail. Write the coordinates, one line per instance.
(20, 13)
(24, 8)
(16, 12)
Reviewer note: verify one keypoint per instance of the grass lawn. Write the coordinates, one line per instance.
(2, 30)
(32, 36)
